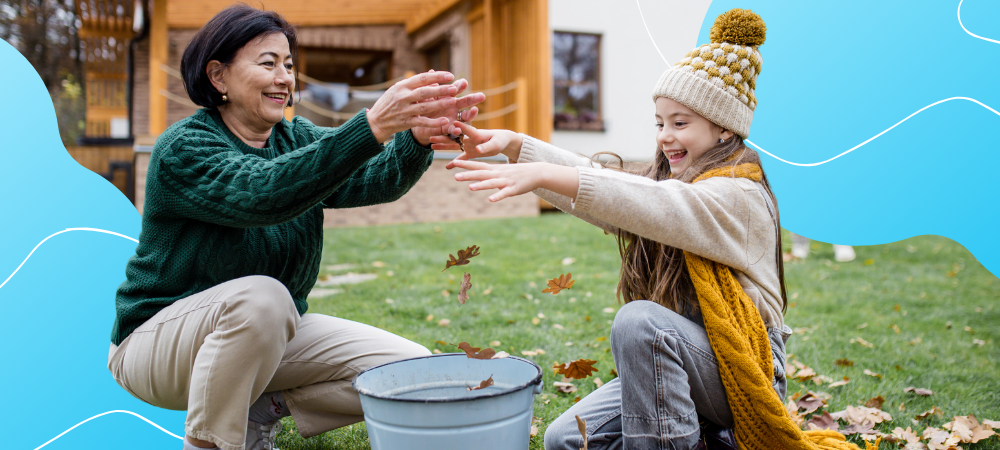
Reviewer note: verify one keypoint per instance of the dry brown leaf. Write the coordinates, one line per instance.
(873, 374)
(535, 421)
(862, 342)
(463, 292)
(564, 387)
(840, 383)
(861, 415)
(793, 412)
(938, 439)
(907, 435)
(581, 424)
(598, 382)
(933, 411)
(463, 257)
(500, 354)
(483, 385)
(563, 281)
(578, 370)
(875, 402)
(969, 429)
(919, 391)
(810, 402)
(864, 429)
(991, 423)
(474, 353)
(443, 322)
(823, 422)
(845, 362)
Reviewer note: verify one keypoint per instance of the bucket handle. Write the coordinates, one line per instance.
(537, 389)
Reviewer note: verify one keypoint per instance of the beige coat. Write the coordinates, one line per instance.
(723, 219)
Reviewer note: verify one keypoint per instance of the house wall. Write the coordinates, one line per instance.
(630, 65)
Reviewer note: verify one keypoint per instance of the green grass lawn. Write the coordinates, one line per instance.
(919, 302)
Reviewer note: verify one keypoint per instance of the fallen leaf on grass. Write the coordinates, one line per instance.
(485, 383)
(978, 342)
(534, 352)
(463, 257)
(970, 330)
(823, 422)
(793, 413)
(919, 391)
(861, 415)
(862, 342)
(938, 439)
(875, 402)
(840, 383)
(535, 421)
(578, 370)
(873, 374)
(443, 322)
(907, 435)
(935, 411)
(494, 343)
(598, 382)
(563, 281)
(809, 403)
(845, 362)
(582, 426)
(474, 353)
(463, 292)
(969, 429)
(568, 260)
(564, 387)
(991, 423)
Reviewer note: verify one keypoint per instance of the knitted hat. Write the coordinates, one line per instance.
(717, 80)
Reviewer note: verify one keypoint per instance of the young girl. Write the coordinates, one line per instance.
(701, 335)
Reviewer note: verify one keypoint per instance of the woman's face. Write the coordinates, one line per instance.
(683, 135)
(259, 81)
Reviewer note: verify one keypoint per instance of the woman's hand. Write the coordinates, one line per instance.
(517, 179)
(412, 103)
(484, 143)
(423, 134)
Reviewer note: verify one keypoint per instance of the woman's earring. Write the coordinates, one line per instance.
(224, 98)
(721, 140)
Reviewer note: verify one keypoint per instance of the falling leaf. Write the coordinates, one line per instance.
(934, 411)
(463, 257)
(564, 281)
(875, 402)
(579, 369)
(463, 292)
(564, 387)
(862, 342)
(919, 391)
(474, 353)
(443, 322)
(809, 403)
(873, 374)
(486, 383)
(845, 362)
(582, 426)
(598, 382)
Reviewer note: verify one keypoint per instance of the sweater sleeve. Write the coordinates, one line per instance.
(212, 181)
(534, 150)
(385, 178)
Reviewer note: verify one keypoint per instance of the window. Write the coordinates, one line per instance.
(576, 83)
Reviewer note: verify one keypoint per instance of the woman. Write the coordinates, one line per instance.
(210, 318)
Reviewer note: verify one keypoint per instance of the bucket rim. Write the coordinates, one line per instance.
(537, 380)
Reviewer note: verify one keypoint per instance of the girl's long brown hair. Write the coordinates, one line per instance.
(658, 272)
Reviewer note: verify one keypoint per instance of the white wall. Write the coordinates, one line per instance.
(630, 65)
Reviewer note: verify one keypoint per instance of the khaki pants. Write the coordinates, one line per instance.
(216, 352)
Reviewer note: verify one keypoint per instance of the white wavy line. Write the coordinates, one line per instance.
(56, 234)
(877, 135)
(963, 26)
(650, 34)
(104, 414)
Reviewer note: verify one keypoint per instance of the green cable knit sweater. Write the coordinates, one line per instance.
(217, 209)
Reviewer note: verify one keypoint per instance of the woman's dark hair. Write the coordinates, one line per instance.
(220, 39)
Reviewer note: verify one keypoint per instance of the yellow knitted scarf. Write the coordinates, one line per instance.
(741, 345)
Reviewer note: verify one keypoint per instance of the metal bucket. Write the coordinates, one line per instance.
(425, 403)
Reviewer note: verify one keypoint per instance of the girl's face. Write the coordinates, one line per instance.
(683, 135)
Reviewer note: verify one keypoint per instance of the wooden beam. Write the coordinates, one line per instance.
(158, 51)
(428, 14)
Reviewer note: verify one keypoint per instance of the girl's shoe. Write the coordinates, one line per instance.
(261, 436)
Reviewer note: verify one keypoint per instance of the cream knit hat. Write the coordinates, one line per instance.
(717, 80)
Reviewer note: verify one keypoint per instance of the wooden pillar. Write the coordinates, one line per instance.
(158, 50)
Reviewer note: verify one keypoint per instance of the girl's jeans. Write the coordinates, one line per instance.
(667, 377)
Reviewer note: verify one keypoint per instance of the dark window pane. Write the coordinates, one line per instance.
(576, 81)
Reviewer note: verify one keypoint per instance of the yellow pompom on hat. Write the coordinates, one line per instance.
(718, 80)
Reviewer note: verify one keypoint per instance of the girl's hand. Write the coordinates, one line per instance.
(423, 134)
(517, 179)
(484, 143)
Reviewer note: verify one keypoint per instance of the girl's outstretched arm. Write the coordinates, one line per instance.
(517, 179)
